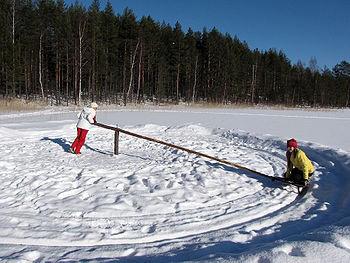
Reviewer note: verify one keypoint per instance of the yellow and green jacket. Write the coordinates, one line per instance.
(299, 160)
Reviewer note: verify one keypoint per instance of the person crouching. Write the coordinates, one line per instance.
(86, 117)
(299, 166)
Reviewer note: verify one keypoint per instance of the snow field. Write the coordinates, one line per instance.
(154, 200)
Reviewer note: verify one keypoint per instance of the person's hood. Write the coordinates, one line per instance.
(88, 110)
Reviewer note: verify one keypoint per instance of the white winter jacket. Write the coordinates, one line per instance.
(86, 118)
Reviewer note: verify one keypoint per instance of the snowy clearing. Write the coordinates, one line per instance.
(152, 203)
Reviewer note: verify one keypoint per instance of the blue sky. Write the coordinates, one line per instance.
(300, 28)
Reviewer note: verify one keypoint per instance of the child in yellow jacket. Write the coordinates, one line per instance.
(299, 166)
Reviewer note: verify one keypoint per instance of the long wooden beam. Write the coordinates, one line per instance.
(116, 129)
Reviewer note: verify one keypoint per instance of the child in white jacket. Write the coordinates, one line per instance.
(86, 117)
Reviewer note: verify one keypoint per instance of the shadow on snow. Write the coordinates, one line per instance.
(65, 144)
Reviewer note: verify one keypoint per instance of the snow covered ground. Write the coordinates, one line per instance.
(152, 203)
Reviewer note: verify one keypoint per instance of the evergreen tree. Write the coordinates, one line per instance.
(342, 74)
(94, 48)
(63, 53)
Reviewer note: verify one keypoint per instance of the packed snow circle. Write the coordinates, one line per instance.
(158, 204)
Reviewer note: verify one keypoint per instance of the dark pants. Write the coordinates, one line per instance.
(296, 176)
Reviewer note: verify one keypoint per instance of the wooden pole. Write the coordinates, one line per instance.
(273, 178)
(116, 142)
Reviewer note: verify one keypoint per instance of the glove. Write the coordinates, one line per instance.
(286, 179)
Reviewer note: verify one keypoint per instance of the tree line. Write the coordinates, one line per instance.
(67, 54)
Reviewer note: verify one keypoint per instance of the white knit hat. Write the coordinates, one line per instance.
(94, 105)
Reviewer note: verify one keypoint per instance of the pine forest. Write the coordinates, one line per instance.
(70, 54)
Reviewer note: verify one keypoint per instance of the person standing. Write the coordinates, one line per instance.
(86, 117)
(299, 166)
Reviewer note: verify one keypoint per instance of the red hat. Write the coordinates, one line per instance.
(292, 143)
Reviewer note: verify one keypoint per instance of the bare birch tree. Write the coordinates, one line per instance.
(313, 68)
(140, 74)
(195, 80)
(13, 47)
(132, 68)
(82, 25)
(177, 82)
(40, 66)
(253, 83)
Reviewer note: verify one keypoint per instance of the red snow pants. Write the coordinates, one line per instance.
(79, 140)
